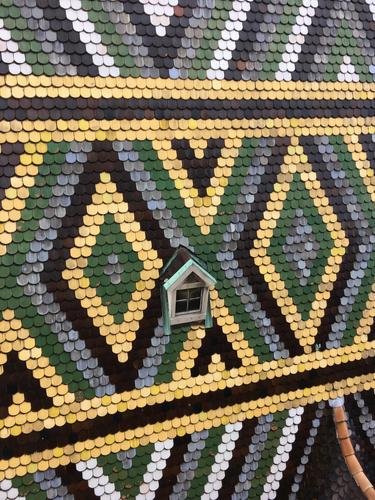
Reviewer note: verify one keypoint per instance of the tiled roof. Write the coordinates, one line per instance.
(243, 131)
(215, 39)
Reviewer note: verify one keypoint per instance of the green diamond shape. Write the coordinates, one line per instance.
(113, 268)
(299, 199)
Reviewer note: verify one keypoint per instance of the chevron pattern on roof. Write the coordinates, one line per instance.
(283, 40)
(243, 131)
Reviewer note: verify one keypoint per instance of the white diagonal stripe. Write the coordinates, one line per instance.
(98, 480)
(229, 36)
(89, 37)
(347, 72)
(9, 492)
(160, 12)
(283, 450)
(296, 40)
(371, 4)
(293, 495)
(221, 463)
(10, 53)
(154, 472)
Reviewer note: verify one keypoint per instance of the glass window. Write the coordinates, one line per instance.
(188, 300)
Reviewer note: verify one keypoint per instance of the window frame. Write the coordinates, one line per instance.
(181, 284)
(178, 279)
(190, 286)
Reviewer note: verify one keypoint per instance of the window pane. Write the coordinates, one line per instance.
(181, 306)
(194, 299)
(195, 304)
(188, 300)
(182, 294)
(195, 293)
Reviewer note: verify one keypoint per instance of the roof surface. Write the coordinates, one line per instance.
(196, 39)
(181, 262)
(244, 131)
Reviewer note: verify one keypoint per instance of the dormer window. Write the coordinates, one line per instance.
(189, 299)
(185, 290)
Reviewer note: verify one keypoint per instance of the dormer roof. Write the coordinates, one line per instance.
(182, 263)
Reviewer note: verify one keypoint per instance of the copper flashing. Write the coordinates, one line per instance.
(347, 450)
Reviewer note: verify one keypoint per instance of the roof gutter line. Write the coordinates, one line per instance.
(343, 435)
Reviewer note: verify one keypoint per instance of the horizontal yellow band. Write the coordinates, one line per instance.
(148, 396)
(179, 426)
(68, 130)
(165, 88)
